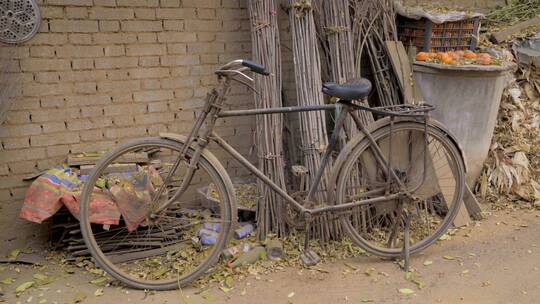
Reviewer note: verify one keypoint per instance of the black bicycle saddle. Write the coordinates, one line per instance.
(352, 90)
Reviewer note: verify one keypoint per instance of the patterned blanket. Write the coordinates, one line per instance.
(122, 194)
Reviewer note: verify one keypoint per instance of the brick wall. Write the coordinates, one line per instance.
(101, 72)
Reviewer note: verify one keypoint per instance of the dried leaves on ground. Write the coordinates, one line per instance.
(512, 172)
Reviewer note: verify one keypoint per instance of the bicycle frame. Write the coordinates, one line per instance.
(213, 110)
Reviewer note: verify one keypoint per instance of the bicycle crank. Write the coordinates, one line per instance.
(293, 218)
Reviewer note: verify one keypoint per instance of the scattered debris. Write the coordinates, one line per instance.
(515, 11)
(246, 196)
(99, 281)
(274, 250)
(25, 258)
(42, 279)
(406, 291)
(508, 33)
(234, 251)
(528, 51)
(79, 297)
(24, 286)
(99, 292)
(250, 257)
(507, 177)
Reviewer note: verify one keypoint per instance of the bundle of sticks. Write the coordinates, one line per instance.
(269, 129)
(313, 130)
(342, 29)
(334, 25)
(374, 24)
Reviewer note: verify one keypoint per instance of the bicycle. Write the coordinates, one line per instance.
(395, 186)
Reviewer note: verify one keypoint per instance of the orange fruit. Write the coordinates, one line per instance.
(445, 58)
(453, 55)
(484, 60)
(432, 55)
(470, 55)
(422, 56)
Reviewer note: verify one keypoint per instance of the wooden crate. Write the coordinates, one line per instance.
(428, 36)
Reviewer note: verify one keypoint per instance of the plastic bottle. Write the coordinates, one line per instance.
(232, 252)
(243, 231)
(212, 227)
(207, 237)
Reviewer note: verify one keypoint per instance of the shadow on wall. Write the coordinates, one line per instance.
(8, 82)
(12, 230)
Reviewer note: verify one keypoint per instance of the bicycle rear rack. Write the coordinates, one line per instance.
(406, 110)
(403, 110)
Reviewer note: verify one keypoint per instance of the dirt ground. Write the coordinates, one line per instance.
(495, 261)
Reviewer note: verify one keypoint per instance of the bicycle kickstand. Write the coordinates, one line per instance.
(308, 256)
(407, 243)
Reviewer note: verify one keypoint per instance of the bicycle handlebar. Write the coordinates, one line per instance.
(255, 67)
(252, 66)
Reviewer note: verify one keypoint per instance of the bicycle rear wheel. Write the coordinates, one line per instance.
(379, 227)
(164, 252)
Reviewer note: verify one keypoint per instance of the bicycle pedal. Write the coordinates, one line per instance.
(310, 258)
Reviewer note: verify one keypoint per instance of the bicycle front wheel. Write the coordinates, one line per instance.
(432, 173)
(169, 249)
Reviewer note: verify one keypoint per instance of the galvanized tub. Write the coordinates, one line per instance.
(467, 100)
